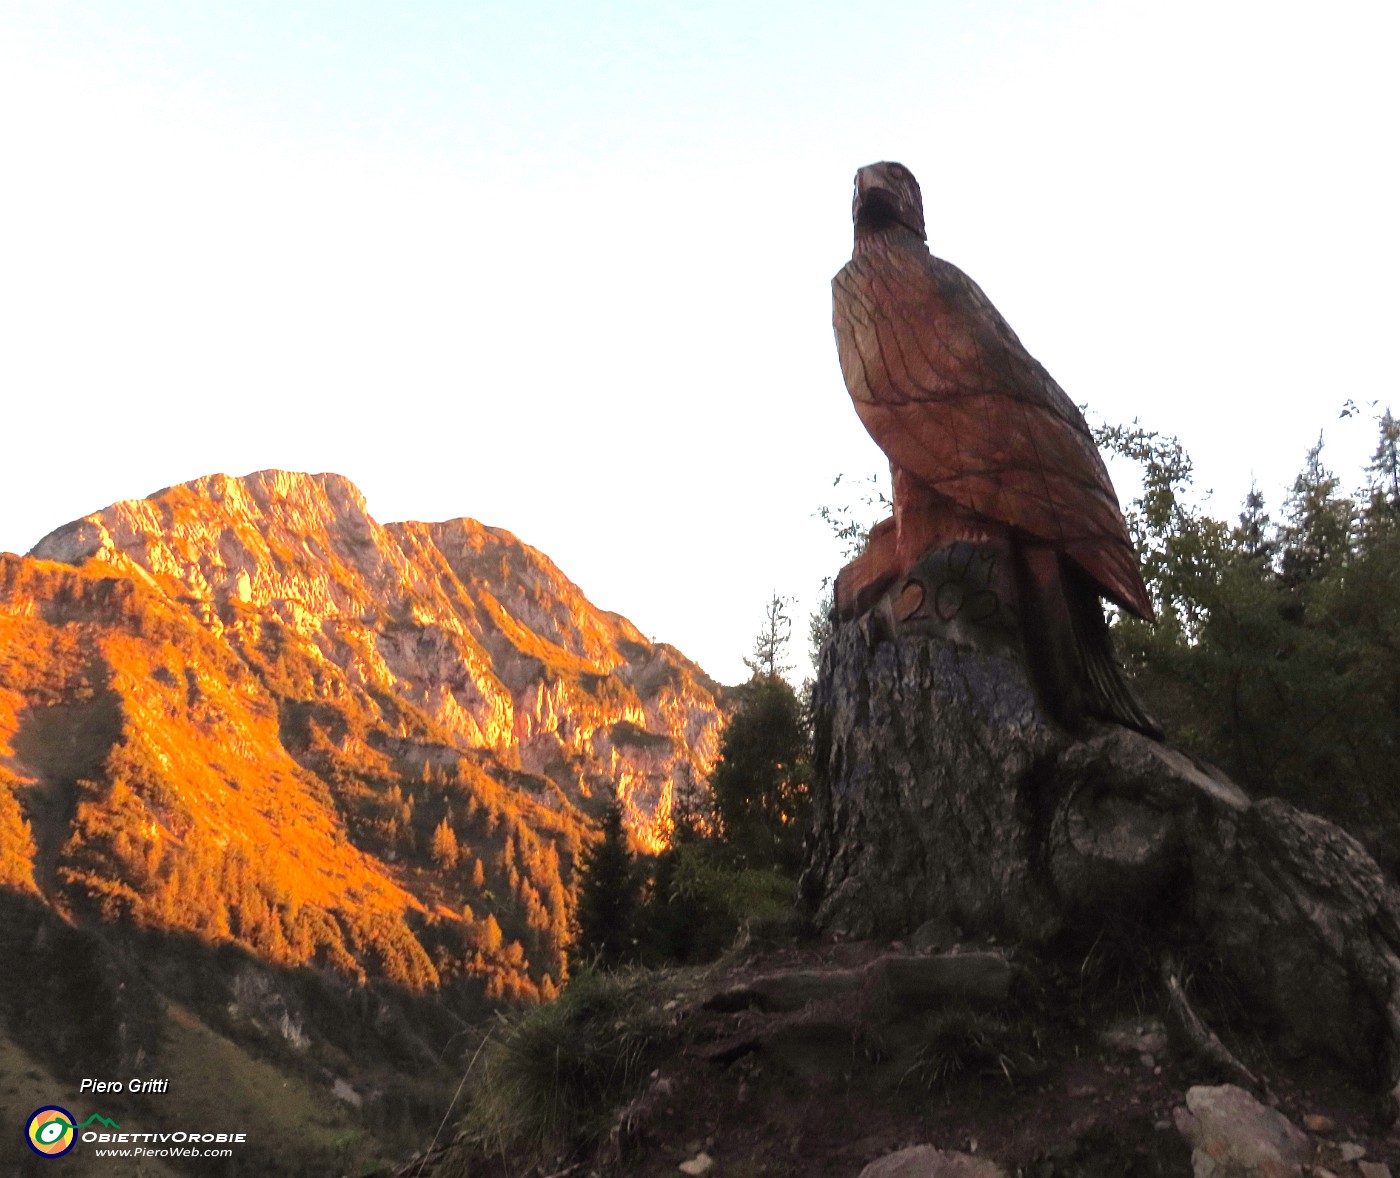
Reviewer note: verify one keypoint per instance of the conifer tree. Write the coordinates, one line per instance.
(1254, 536)
(760, 780)
(770, 646)
(759, 784)
(1384, 471)
(491, 935)
(1318, 532)
(1286, 676)
(608, 895)
(444, 845)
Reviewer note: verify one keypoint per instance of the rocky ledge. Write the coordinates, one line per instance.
(945, 795)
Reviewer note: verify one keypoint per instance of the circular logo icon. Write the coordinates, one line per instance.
(50, 1131)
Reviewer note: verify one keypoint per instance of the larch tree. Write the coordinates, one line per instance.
(770, 646)
(444, 845)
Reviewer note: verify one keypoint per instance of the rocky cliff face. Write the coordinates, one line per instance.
(475, 629)
(422, 715)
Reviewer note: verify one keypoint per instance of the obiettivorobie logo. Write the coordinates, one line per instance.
(52, 1131)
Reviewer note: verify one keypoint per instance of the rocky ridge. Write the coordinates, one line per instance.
(243, 707)
(480, 631)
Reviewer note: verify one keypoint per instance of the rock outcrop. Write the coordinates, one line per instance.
(465, 623)
(944, 792)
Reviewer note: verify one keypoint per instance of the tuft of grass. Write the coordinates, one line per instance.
(958, 1044)
(556, 1073)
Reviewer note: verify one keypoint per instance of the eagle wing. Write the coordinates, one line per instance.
(950, 394)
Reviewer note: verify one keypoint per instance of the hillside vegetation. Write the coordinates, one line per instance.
(242, 718)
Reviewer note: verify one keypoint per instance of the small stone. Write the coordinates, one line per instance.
(1316, 1123)
(924, 1161)
(933, 934)
(1231, 1132)
(1147, 1060)
(1140, 1036)
(1373, 1169)
(701, 1163)
(1352, 1152)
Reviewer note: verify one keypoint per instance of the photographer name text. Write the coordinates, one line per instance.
(135, 1084)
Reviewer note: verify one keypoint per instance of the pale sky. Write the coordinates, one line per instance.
(565, 267)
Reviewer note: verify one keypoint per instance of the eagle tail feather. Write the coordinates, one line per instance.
(1068, 644)
(1108, 694)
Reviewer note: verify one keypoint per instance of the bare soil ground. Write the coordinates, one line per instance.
(823, 1090)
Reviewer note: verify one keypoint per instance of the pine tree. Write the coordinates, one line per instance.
(1254, 536)
(1319, 530)
(608, 895)
(1384, 471)
(760, 780)
(690, 807)
(1288, 677)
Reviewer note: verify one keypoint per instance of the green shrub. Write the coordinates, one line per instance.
(700, 902)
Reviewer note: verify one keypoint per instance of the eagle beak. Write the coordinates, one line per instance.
(867, 181)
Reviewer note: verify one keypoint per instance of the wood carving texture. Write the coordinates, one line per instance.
(949, 393)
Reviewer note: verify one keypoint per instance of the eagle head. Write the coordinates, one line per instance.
(887, 194)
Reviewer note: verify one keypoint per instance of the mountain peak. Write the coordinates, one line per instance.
(438, 700)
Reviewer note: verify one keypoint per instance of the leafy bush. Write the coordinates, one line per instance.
(700, 902)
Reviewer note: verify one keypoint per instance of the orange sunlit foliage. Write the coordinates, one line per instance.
(16, 842)
(239, 789)
(256, 716)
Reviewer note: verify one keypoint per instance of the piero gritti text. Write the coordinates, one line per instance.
(135, 1084)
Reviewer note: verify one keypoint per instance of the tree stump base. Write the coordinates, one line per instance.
(943, 791)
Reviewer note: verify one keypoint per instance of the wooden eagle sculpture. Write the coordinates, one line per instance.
(985, 450)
